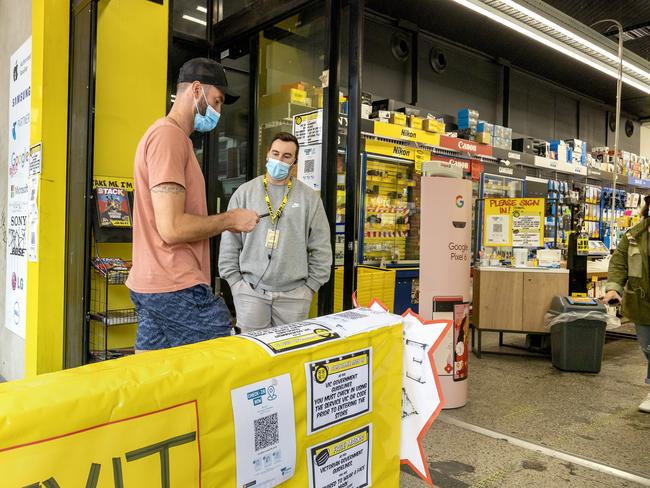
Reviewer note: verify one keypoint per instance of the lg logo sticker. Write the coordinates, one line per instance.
(17, 283)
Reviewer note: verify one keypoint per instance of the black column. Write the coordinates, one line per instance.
(353, 160)
(330, 142)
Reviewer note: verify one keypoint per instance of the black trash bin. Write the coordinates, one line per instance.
(577, 342)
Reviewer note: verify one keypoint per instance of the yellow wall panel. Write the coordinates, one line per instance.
(49, 122)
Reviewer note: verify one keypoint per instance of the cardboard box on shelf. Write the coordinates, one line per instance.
(381, 115)
(316, 95)
(484, 126)
(483, 137)
(293, 95)
(408, 111)
(415, 122)
(397, 118)
(299, 85)
(433, 125)
(466, 113)
(524, 144)
(366, 111)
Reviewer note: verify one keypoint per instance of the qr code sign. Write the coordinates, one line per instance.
(309, 165)
(497, 228)
(267, 433)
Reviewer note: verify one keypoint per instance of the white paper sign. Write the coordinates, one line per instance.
(289, 337)
(338, 389)
(497, 230)
(299, 335)
(20, 74)
(32, 238)
(310, 161)
(525, 230)
(359, 320)
(36, 159)
(265, 432)
(308, 127)
(344, 462)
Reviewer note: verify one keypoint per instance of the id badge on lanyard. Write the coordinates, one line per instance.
(272, 238)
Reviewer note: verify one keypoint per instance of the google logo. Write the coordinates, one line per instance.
(460, 203)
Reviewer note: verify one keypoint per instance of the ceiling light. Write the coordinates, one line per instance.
(194, 19)
(574, 36)
(556, 44)
(202, 9)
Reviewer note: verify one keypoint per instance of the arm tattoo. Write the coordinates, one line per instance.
(168, 188)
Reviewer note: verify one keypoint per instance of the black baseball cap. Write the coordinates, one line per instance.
(209, 72)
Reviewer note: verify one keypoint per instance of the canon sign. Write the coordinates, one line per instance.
(467, 146)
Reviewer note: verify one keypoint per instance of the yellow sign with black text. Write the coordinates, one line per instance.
(113, 182)
(394, 131)
(391, 150)
(513, 222)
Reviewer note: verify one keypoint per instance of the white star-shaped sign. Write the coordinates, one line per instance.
(421, 391)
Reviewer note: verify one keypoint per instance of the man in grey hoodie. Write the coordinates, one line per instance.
(275, 270)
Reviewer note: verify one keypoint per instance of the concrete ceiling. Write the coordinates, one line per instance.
(456, 23)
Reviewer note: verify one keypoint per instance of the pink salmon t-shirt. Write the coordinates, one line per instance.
(165, 155)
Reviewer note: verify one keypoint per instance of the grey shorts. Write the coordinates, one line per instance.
(180, 317)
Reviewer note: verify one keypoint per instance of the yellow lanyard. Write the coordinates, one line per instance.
(268, 199)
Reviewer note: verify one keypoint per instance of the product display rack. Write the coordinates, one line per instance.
(389, 186)
(102, 316)
(109, 305)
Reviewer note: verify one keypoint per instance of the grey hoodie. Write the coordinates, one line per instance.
(303, 255)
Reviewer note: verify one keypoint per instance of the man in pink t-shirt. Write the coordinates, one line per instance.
(170, 278)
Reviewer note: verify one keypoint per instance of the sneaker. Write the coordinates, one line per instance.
(645, 405)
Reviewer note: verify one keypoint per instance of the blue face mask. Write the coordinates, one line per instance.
(277, 169)
(207, 122)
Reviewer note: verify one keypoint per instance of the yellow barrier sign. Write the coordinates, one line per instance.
(129, 449)
(218, 413)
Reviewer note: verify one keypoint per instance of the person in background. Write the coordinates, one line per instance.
(170, 278)
(274, 271)
(628, 278)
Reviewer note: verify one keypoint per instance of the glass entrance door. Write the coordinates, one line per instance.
(229, 154)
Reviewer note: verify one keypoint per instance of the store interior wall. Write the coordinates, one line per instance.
(15, 28)
(644, 135)
(626, 143)
(538, 108)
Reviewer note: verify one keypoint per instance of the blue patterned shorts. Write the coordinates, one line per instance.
(180, 317)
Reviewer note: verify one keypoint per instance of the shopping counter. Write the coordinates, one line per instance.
(314, 403)
(514, 299)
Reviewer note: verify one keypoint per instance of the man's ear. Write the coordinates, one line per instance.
(196, 89)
